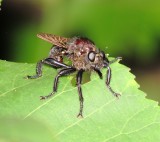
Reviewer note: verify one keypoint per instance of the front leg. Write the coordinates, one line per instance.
(48, 61)
(114, 60)
(108, 82)
(62, 72)
(99, 73)
(79, 80)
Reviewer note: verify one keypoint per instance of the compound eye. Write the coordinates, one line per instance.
(91, 56)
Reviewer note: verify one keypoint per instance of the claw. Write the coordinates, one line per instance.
(80, 115)
(119, 58)
(26, 77)
(46, 97)
(42, 97)
(117, 95)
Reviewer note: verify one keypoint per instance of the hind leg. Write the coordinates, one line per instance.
(47, 61)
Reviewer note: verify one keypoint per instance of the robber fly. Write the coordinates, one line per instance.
(83, 54)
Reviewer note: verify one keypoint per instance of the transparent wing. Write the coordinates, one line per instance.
(56, 40)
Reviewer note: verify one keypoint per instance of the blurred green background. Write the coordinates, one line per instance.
(127, 28)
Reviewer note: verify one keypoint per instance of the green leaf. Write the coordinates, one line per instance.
(132, 117)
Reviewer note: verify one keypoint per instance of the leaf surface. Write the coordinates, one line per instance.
(132, 117)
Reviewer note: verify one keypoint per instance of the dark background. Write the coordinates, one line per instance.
(130, 29)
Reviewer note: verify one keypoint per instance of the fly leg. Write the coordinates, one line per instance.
(108, 82)
(98, 72)
(48, 61)
(79, 80)
(62, 72)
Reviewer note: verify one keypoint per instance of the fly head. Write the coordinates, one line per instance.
(98, 59)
